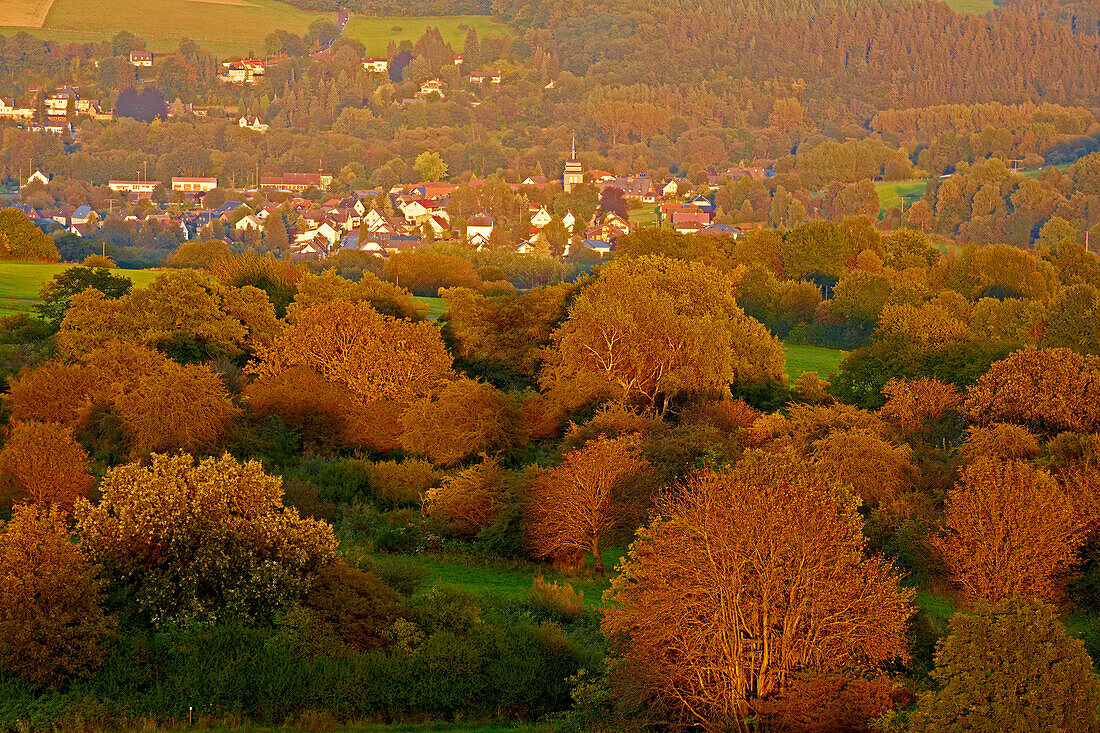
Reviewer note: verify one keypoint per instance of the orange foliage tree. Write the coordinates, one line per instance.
(45, 464)
(384, 297)
(881, 473)
(1008, 529)
(912, 403)
(202, 542)
(1048, 389)
(52, 625)
(1002, 441)
(746, 577)
(55, 391)
(577, 504)
(653, 329)
(463, 419)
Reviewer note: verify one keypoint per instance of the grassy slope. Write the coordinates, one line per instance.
(226, 28)
(896, 193)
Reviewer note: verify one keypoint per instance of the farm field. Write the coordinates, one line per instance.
(974, 7)
(811, 359)
(20, 281)
(226, 27)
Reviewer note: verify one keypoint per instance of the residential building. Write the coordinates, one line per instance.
(132, 186)
(141, 58)
(194, 185)
(377, 64)
(248, 122)
(296, 182)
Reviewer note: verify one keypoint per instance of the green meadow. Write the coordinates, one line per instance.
(20, 282)
(811, 359)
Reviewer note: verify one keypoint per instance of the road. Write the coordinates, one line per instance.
(342, 18)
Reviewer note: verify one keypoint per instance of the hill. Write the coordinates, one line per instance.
(228, 27)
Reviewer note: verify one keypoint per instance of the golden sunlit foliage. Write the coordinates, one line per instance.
(804, 424)
(927, 324)
(52, 625)
(180, 310)
(729, 416)
(307, 402)
(45, 465)
(612, 420)
(373, 356)
(575, 505)
(462, 419)
(402, 482)
(746, 577)
(202, 542)
(910, 404)
(1008, 530)
(384, 297)
(654, 329)
(1048, 389)
(881, 473)
(467, 502)
(55, 391)
(1002, 441)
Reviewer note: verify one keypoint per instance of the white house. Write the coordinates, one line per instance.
(376, 64)
(541, 218)
(479, 227)
(250, 221)
(141, 58)
(248, 122)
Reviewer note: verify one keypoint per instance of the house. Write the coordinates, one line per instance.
(637, 187)
(569, 220)
(457, 59)
(83, 230)
(141, 58)
(7, 107)
(539, 181)
(88, 107)
(541, 218)
(55, 126)
(58, 102)
(479, 226)
(250, 221)
(480, 77)
(612, 227)
(702, 203)
(248, 122)
(194, 185)
(688, 227)
(38, 177)
(599, 246)
(717, 230)
(432, 86)
(132, 186)
(376, 64)
(82, 215)
(28, 210)
(241, 72)
(676, 187)
(525, 248)
(296, 182)
(689, 214)
(63, 216)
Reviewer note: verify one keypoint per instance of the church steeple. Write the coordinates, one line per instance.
(574, 171)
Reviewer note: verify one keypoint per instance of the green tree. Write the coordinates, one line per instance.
(430, 166)
(1010, 667)
(58, 292)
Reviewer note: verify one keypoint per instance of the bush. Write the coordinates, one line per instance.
(99, 261)
(401, 483)
(558, 601)
(357, 604)
(832, 704)
(467, 502)
(45, 464)
(466, 418)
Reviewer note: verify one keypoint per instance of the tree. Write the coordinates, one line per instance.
(464, 418)
(577, 504)
(430, 166)
(57, 294)
(911, 404)
(205, 542)
(1048, 389)
(1008, 530)
(654, 329)
(52, 626)
(612, 201)
(467, 502)
(373, 355)
(46, 465)
(746, 577)
(1010, 667)
(879, 472)
(21, 240)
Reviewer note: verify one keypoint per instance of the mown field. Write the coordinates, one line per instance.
(20, 281)
(811, 359)
(974, 7)
(899, 193)
(226, 27)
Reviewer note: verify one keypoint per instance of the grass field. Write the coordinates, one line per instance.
(20, 281)
(436, 306)
(811, 359)
(225, 27)
(897, 193)
(974, 7)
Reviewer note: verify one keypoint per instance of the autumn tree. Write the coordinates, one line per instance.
(45, 464)
(653, 330)
(21, 240)
(1010, 667)
(912, 403)
(202, 542)
(1048, 389)
(745, 578)
(464, 418)
(880, 472)
(424, 272)
(430, 166)
(52, 623)
(575, 505)
(1008, 529)
(385, 297)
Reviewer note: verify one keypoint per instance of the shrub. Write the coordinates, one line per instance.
(831, 704)
(45, 464)
(190, 542)
(52, 626)
(467, 502)
(1002, 441)
(559, 601)
(729, 416)
(357, 604)
(99, 261)
(401, 482)
(613, 420)
(466, 418)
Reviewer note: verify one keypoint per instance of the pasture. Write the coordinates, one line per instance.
(902, 194)
(973, 7)
(811, 359)
(226, 27)
(20, 282)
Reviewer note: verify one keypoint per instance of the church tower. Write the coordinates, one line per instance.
(574, 171)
